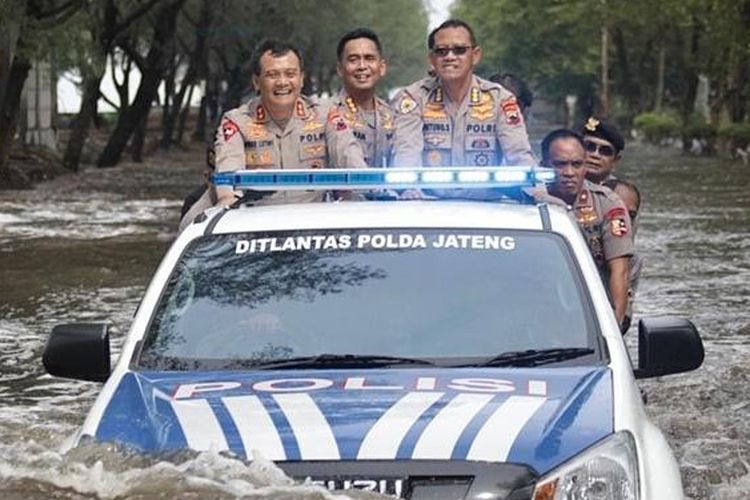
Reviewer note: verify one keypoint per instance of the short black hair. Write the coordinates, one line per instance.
(355, 34)
(616, 181)
(451, 23)
(277, 48)
(557, 134)
(519, 88)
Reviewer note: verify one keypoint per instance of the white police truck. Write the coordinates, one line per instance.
(420, 349)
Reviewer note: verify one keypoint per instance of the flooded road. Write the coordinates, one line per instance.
(83, 249)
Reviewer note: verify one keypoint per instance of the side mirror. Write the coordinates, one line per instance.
(78, 351)
(667, 345)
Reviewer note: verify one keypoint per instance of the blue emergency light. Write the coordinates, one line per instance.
(385, 178)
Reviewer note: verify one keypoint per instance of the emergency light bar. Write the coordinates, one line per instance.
(385, 178)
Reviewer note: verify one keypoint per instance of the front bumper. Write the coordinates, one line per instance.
(422, 479)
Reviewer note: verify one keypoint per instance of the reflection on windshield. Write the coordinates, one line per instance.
(245, 299)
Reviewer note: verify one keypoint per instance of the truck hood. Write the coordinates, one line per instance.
(536, 417)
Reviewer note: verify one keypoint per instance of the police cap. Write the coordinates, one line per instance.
(599, 128)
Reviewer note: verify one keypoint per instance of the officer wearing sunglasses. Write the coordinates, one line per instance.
(603, 144)
(455, 118)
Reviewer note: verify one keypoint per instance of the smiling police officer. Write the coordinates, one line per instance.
(279, 129)
(361, 65)
(456, 118)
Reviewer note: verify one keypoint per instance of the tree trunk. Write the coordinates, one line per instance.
(82, 122)
(19, 71)
(128, 120)
(199, 134)
(184, 116)
(139, 140)
(660, 76)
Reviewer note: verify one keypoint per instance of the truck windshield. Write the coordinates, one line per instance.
(244, 300)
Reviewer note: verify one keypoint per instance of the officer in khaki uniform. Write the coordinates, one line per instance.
(456, 118)
(361, 65)
(279, 129)
(373, 129)
(600, 213)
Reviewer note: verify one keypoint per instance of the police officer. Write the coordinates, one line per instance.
(604, 145)
(361, 66)
(279, 129)
(601, 215)
(456, 118)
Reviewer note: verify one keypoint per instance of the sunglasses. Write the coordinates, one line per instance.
(458, 50)
(602, 149)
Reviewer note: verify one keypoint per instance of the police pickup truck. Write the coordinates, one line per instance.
(420, 349)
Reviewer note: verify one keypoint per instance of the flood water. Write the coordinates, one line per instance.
(83, 249)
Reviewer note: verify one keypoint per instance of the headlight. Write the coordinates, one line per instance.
(607, 471)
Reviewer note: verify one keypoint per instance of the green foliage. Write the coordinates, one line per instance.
(737, 135)
(553, 44)
(697, 128)
(657, 126)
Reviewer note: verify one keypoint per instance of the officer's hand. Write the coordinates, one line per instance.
(412, 194)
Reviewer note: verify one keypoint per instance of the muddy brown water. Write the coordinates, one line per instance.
(83, 249)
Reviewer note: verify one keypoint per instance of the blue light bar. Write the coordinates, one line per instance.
(385, 178)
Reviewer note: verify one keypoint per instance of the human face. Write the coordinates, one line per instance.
(601, 158)
(452, 67)
(567, 157)
(280, 82)
(361, 65)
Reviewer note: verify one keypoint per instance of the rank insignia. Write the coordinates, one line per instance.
(511, 111)
(591, 124)
(434, 111)
(351, 104)
(483, 110)
(228, 129)
(407, 105)
(439, 95)
(260, 114)
(474, 95)
(256, 131)
(312, 126)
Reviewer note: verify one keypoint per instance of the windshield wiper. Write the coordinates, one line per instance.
(534, 357)
(338, 361)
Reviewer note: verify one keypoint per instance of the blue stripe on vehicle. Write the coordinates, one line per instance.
(228, 427)
(467, 436)
(286, 434)
(406, 448)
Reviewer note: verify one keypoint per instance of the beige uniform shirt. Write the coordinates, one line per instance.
(605, 224)
(487, 128)
(373, 130)
(316, 136)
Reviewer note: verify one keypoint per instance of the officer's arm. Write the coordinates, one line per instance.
(618, 248)
(512, 134)
(229, 148)
(343, 149)
(409, 141)
(619, 270)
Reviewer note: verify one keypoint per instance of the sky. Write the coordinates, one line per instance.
(69, 99)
